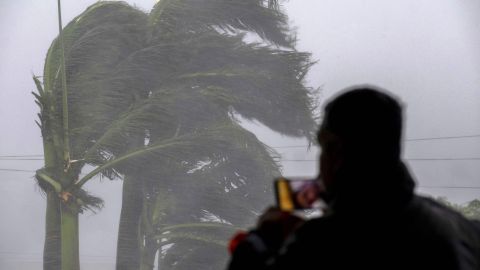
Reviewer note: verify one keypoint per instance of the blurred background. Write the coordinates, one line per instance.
(425, 52)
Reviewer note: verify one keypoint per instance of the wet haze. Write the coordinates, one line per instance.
(426, 52)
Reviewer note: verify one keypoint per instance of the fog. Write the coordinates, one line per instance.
(425, 52)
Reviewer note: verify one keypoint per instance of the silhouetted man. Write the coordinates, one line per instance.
(374, 220)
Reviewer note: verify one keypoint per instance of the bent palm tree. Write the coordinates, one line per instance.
(154, 97)
(71, 122)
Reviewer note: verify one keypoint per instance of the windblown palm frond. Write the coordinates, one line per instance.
(229, 167)
(180, 17)
(232, 71)
(221, 183)
(96, 43)
(194, 245)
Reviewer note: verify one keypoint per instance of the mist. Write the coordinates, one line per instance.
(425, 52)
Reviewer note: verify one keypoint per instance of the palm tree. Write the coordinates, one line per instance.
(73, 119)
(153, 98)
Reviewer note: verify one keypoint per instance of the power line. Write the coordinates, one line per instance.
(15, 170)
(444, 138)
(440, 159)
(290, 146)
(451, 187)
(407, 140)
(40, 254)
(20, 156)
(311, 160)
(422, 186)
(410, 159)
(1, 158)
(296, 146)
(284, 160)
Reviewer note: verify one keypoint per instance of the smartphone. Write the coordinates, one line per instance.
(297, 193)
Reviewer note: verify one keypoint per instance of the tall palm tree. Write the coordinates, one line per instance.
(85, 88)
(258, 82)
(154, 98)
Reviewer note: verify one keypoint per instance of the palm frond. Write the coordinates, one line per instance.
(234, 173)
(194, 245)
(95, 43)
(87, 201)
(231, 72)
(170, 17)
(207, 232)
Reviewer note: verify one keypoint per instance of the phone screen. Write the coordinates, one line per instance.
(297, 194)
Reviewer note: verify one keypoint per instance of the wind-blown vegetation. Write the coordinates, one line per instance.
(153, 99)
(470, 209)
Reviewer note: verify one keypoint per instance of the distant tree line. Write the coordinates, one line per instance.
(470, 209)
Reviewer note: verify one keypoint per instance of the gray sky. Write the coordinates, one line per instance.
(425, 51)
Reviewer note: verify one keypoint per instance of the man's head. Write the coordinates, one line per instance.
(362, 127)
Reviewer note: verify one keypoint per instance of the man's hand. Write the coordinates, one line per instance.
(274, 226)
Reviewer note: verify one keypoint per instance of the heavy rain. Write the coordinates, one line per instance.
(144, 134)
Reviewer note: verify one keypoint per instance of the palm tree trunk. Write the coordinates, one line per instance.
(128, 245)
(148, 254)
(70, 242)
(52, 245)
(51, 249)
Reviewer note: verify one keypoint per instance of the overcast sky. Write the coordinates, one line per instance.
(426, 52)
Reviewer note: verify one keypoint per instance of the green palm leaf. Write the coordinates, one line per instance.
(95, 44)
(174, 17)
(194, 244)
